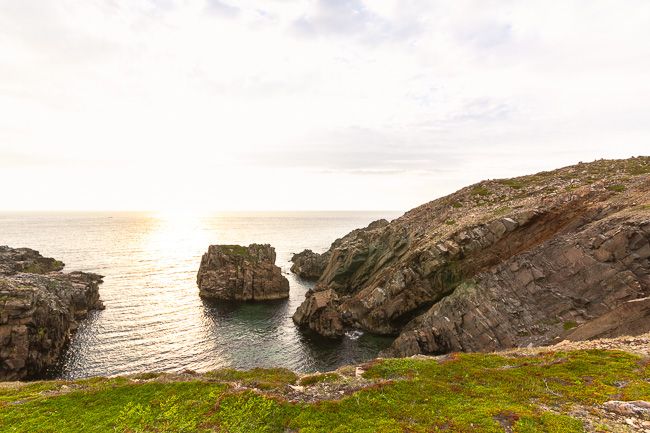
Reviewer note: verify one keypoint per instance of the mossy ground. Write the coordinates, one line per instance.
(236, 250)
(462, 393)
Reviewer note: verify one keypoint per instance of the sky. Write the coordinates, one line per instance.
(216, 105)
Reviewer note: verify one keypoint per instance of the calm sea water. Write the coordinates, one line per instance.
(154, 319)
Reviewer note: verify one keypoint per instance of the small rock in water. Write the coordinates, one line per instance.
(354, 335)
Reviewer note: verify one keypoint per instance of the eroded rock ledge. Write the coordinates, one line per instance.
(40, 307)
(502, 263)
(237, 273)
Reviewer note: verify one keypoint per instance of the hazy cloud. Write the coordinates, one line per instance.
(221, 8)
(399, 100)
(341, 18)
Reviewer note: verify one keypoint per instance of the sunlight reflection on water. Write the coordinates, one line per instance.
(154, 319)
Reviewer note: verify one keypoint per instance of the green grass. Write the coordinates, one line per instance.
(463, 393)
(43, 267)
(569, 325)
(503, 210)
(512, 183)
(616, 188)
(262, 378)
(481, 191)
(318, 378)
(236, 250)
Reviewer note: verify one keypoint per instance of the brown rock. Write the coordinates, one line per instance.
(503, 263)
(319, 314)
(237, 273)
(39, 310)
(309, 265)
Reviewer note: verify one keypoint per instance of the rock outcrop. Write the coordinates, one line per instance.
(40, 307)
(309, 265)
(503, 263)
(237, 273)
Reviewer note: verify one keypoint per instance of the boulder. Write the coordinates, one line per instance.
(238, 273)
(40, 308)
(309, 265)
(319, 314)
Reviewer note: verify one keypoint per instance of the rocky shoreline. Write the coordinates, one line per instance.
(499, 264)
(40, 308)
(529, 261)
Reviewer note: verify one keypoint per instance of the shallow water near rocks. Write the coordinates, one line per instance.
(154, 319)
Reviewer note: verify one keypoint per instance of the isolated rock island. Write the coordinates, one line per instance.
(40, 307)
(238, 273)
(503, 263)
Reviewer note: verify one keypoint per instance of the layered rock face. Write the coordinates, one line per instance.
(502, 263)
(40, 307)
(237, 273)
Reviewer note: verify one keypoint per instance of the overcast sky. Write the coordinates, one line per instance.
(291, 104)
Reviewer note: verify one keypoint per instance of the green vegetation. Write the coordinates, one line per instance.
(503, 210)
(638, 166)
(460, 393)
(456, 204)
(236, 250)
(319, 378)
(262, 378)
(515, 183)
(616, 188)
(569, 325)
(481, 191)
(43, 267)
(450, 222)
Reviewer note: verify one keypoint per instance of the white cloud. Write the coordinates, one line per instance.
(157, 103)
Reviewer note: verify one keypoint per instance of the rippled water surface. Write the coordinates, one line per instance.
(154, 319)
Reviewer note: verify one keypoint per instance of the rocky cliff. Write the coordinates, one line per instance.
(237, 273)
(502, 263)
(309, 265)
(39, 309)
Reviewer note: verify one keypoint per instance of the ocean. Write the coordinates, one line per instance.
(154, 319)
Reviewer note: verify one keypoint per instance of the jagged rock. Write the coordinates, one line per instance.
(237, 273)
(13, 260)
(541, 295)
(308, 264)
(319, 313)
(39, 310)
(499, 264)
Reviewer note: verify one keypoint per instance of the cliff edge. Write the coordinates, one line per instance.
(503, 263)
(40, 307)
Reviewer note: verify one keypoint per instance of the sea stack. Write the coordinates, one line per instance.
(238, 273)
(40, 307)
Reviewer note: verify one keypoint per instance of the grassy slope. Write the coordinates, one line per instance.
(464, 392)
